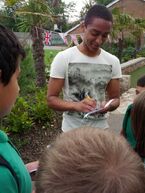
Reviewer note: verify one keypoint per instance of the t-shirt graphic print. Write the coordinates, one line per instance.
(88, 80)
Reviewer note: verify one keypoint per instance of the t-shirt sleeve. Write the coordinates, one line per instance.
(126, 117)
(8, 183)
(58, 66)
(116, 69)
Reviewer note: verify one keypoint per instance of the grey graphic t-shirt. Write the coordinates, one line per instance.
(84, 76)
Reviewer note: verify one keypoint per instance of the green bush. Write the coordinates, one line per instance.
(31, 107)
(39, 108)
(27, 113)
(19, 119)
(128, 54)
(27, 76)
(111, 48)
(141, 53)
(49, 56)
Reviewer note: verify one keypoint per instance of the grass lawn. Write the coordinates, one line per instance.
(136, 74)
(49, 55)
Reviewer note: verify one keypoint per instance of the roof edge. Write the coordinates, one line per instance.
(112, 3)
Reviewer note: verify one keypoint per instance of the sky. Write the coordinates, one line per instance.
(79, 5)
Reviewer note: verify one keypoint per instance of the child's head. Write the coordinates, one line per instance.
(140, 84)
(90, 160)
(11, 54)
(138, 122)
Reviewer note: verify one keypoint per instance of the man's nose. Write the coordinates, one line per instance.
(99, 40)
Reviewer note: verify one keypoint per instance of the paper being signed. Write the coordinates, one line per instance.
(98, 110)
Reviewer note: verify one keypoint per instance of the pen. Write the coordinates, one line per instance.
(87, 96)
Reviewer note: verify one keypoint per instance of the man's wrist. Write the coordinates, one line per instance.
(72, 106)
(111, 107)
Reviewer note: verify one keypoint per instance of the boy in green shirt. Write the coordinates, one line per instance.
(14, 176)
(128, 131)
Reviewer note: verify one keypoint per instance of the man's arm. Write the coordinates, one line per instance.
(54, 100)
(113, 91)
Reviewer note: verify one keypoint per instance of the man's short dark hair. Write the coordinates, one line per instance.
(98, 11)
(141, 81)
(10, 50)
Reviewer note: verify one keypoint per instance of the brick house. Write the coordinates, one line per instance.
(135, 8)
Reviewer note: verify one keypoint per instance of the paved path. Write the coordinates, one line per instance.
(116, 117)
(115, 122)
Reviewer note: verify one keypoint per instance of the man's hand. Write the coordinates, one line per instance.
(86, 105)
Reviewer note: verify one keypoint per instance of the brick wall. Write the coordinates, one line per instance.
(78, 30)
(135, 8)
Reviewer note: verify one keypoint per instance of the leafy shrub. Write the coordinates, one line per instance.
(141, 52)
(19, 118)
(27, 76)
(49, 56)
(128, 54)
(111, 48)
(27, 113)
(39, 108)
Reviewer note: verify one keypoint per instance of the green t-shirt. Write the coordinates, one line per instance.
(8, 183)
(127, 128)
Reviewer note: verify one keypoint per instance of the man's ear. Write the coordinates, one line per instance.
(0, 74)
(1, 84)
(1, 77)
(82, 26)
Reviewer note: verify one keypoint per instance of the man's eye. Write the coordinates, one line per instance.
(137, 92)
(95, 34)
(105, 35)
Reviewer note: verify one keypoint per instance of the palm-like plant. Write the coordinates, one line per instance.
(125, 24)
(138, 31)
(87, 5)
(35, 14)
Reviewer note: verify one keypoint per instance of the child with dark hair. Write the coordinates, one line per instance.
(86, 74)
(88, 160)
(128, 128)
(138, 124)
(140, 84)
(14, 176)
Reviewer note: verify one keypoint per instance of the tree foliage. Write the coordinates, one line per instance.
(104, 2)
(35, 14)
(125, 25)
(89, 3)
(63, 10)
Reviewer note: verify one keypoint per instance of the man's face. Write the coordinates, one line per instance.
(95, 34)
(9, 93)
